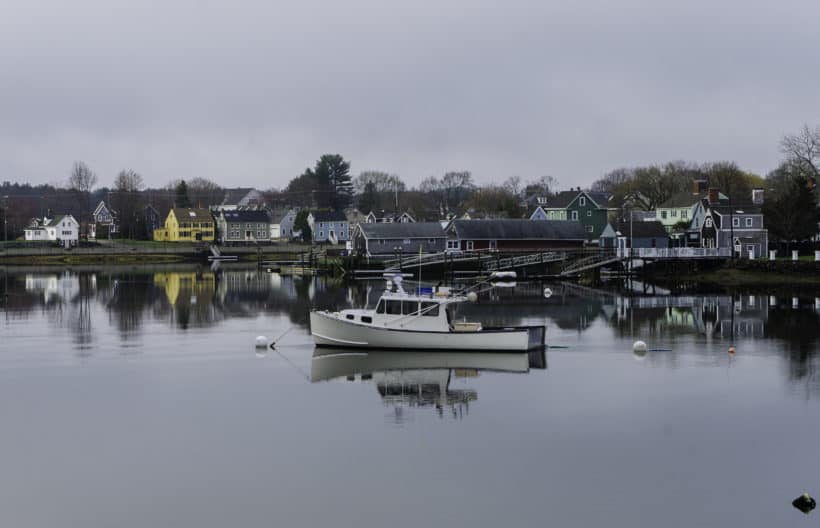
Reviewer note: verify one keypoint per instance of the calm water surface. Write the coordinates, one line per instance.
(134, 397)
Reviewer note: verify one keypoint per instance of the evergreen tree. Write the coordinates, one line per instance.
(181, 193)
(333, 177)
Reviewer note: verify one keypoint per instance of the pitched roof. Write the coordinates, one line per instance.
(403, 230)
(561, 200)
(601, 199)
(687, 199)
(653, 229)
(56, 220)
(328, 216)
(234, 196)
(736, 209)
(277, 215)
(681, 199)
(519, 229)
(246, 215)
(183, 213)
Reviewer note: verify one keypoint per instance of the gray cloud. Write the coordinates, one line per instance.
(253, 92)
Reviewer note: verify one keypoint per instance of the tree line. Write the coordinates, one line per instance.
(790, 207)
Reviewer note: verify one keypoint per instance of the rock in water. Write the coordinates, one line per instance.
(805, 503)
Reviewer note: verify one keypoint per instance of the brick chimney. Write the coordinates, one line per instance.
(714, 195)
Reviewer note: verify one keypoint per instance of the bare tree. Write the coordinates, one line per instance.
(82, 178)
(545, 185)
(610, 181)
(204, 192)
(128, 201)
(803, 149)
(513, 185)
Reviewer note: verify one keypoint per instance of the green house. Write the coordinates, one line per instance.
(590, 208)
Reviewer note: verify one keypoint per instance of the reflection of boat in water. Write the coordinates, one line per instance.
(419, 377)
(420, 320)
(329, 363)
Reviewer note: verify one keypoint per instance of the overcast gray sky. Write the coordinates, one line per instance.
(250, 93)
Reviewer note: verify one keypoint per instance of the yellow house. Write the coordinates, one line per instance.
(186, 225)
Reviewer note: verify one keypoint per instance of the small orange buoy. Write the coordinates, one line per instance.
(732, 350)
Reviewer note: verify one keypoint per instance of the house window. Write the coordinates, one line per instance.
(708, 222)
(406, 241)
(748, 222)
(684, 214)
(431, 240)
(452, 244)
(589, 213)
(674, 213)
(493, 244)
(575, 215)
(582, 201)
(663, 215)
(470, 245)
(749, 247)
(589, 229)
(735, 222)
(321, 234)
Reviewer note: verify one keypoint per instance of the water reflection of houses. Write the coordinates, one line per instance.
(418, 379)
(65, 286)
(190, 294)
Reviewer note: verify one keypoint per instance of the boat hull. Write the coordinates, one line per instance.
(327, 330)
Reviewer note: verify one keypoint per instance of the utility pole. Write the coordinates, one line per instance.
(5, 218)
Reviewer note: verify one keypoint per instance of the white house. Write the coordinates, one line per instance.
(62, 228)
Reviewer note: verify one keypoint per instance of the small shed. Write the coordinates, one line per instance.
(407, 238)
(650, 234)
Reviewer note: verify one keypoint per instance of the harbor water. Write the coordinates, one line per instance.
(134, 396)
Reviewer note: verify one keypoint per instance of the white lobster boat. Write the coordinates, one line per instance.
(422, 320)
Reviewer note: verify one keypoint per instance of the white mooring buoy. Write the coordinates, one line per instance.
(261, 342)
(547, 293)
(639, 349)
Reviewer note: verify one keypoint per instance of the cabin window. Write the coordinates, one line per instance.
(409, 307)
(367, 319)
(429, 309)
(393, 307)
(380, 307)
(350, 317)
